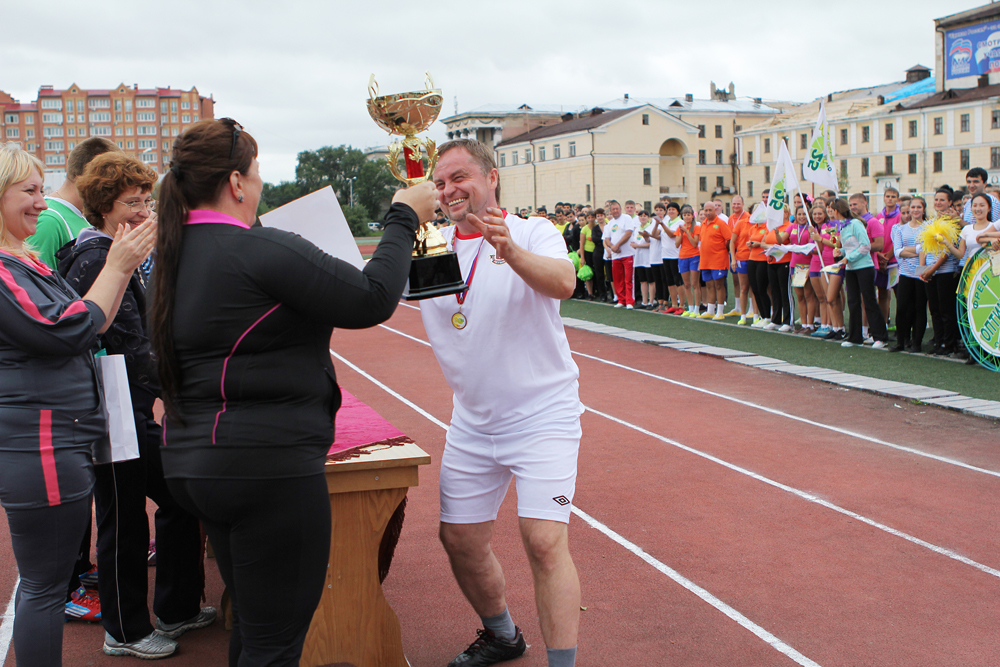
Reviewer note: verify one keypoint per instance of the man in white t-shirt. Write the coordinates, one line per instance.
(618, 232)
(503, 350)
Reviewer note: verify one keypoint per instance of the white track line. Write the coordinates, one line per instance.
(7, 624)
(760, 478)
(689, 585)
(810, 422)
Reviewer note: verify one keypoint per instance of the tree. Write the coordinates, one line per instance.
(373, 183)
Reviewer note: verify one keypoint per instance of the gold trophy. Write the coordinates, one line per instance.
(434, 270)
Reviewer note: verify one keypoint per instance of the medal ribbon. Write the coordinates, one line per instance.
(472, 271)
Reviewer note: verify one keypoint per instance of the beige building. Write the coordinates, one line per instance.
(630, 149)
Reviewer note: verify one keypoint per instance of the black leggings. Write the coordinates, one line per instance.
(861, 289)
(272, 545)
(911, 311)
(120, 493)
(757, 272)
(941, 299)
(781, 303)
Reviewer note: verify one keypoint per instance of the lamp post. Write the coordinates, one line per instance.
(352, 179)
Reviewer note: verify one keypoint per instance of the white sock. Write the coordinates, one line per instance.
(711, 309)
(721, 308)
(864, 332)
(737, 304)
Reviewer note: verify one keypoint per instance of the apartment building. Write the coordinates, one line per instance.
(142, 121)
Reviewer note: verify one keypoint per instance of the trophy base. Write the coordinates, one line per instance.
(432, 276)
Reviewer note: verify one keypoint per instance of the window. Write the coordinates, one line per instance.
(146, 116)
(556, 151)
(71, 145)
(701, 131)
(866, 134)
(79, 106)
(120, 145)
(645, 119)
(148, 157)
(843, 136)
(11, 118)
(173, 118)
(55, 159)
(52, 104)
(30, 148)
(128, 118)
(100, 116)
(174, 132)
(963, 159)
(99, 103)
(750, 188)
(118, 105)
(749, 158)
(843, 168)
(129, 130)
(163, 105)
(938, 161)
(767, 146)
(912, 164)
(29, 118)
(118, 131)
(718, 131)
(70, 118)
(541, 153)
(888, 164)
(890, 129)
(864, 166)
(964, 123)
(147, 143)
(186, 118)
(994, 157)
(194, 119)
(503, 159)
(52, 118)
(718, 157)
(166, 146)
(572, 149)
(703, 184)
(130, 145)
(803, 141)
(588, 192)
(81, 131)
(720, 181)
(173, 106)
(527, 155)
(996, 119)
(647, 176)
(913, 128)
(101, 131)
(767, 174)
(29, 133)
(70, 131)
(146, 129)
(118, 118)
(13, 133)
(701, 157)
(185, 105)
(57, 131)
(513, 158)
(128, 105)
(939, 125)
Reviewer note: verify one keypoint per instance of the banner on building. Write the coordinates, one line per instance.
(973, 50)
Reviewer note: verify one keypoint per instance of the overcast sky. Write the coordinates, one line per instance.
(295, 73)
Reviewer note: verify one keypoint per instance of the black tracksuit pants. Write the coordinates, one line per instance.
(120, 492)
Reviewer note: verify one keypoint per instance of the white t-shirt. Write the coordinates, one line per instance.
(641, 253)
(971, 244)
(723, 217)
(668, 246)
(655, 249)
(510, 367)
(621, 228)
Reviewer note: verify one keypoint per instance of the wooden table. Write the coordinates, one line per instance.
(354, 624)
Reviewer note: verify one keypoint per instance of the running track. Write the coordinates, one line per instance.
(723, 516)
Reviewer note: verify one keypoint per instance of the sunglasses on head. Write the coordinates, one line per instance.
(237, 128)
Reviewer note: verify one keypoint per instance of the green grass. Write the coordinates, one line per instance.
(974, 381)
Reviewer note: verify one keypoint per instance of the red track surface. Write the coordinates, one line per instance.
(830, 588)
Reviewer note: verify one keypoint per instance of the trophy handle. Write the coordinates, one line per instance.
(428, 80)
(415, 144)
(373, 87)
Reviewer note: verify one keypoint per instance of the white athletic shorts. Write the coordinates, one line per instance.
(476, 470)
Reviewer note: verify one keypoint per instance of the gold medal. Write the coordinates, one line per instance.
(458, 320)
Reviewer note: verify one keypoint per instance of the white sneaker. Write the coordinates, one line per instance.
(785, 328)
(151, 647)
(770, 326)
(760, 323)
(878, 345)
(847, 343)
(204, 618)
(618, 305)
(868, 340)
(629, 307)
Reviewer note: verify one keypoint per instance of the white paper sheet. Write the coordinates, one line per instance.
(318, 218)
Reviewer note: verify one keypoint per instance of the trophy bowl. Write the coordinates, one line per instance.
(406, 113)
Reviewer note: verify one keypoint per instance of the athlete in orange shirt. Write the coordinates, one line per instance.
(690, 232)
(714, 264)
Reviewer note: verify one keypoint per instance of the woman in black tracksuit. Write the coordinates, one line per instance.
(241, 321)
(117, 192)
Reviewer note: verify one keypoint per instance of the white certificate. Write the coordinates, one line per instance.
(318, 218)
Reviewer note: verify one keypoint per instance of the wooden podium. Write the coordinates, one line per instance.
(354, 624)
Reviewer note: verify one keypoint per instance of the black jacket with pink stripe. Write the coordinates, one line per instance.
(50, 413)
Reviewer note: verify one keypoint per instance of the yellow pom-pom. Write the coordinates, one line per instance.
(944, 228)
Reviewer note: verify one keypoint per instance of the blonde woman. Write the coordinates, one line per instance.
(50, 412)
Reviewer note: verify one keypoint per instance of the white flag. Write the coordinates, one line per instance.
(783, 183)
(818, 165)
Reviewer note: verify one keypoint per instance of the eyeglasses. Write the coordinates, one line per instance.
(237, 128)
(136, 206)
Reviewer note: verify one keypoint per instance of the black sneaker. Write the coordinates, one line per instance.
(839, 335)
(832, 335)
(488, 649)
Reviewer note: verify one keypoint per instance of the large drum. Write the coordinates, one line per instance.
(978, 303)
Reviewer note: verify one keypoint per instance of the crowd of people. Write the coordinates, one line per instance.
(829, 254)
